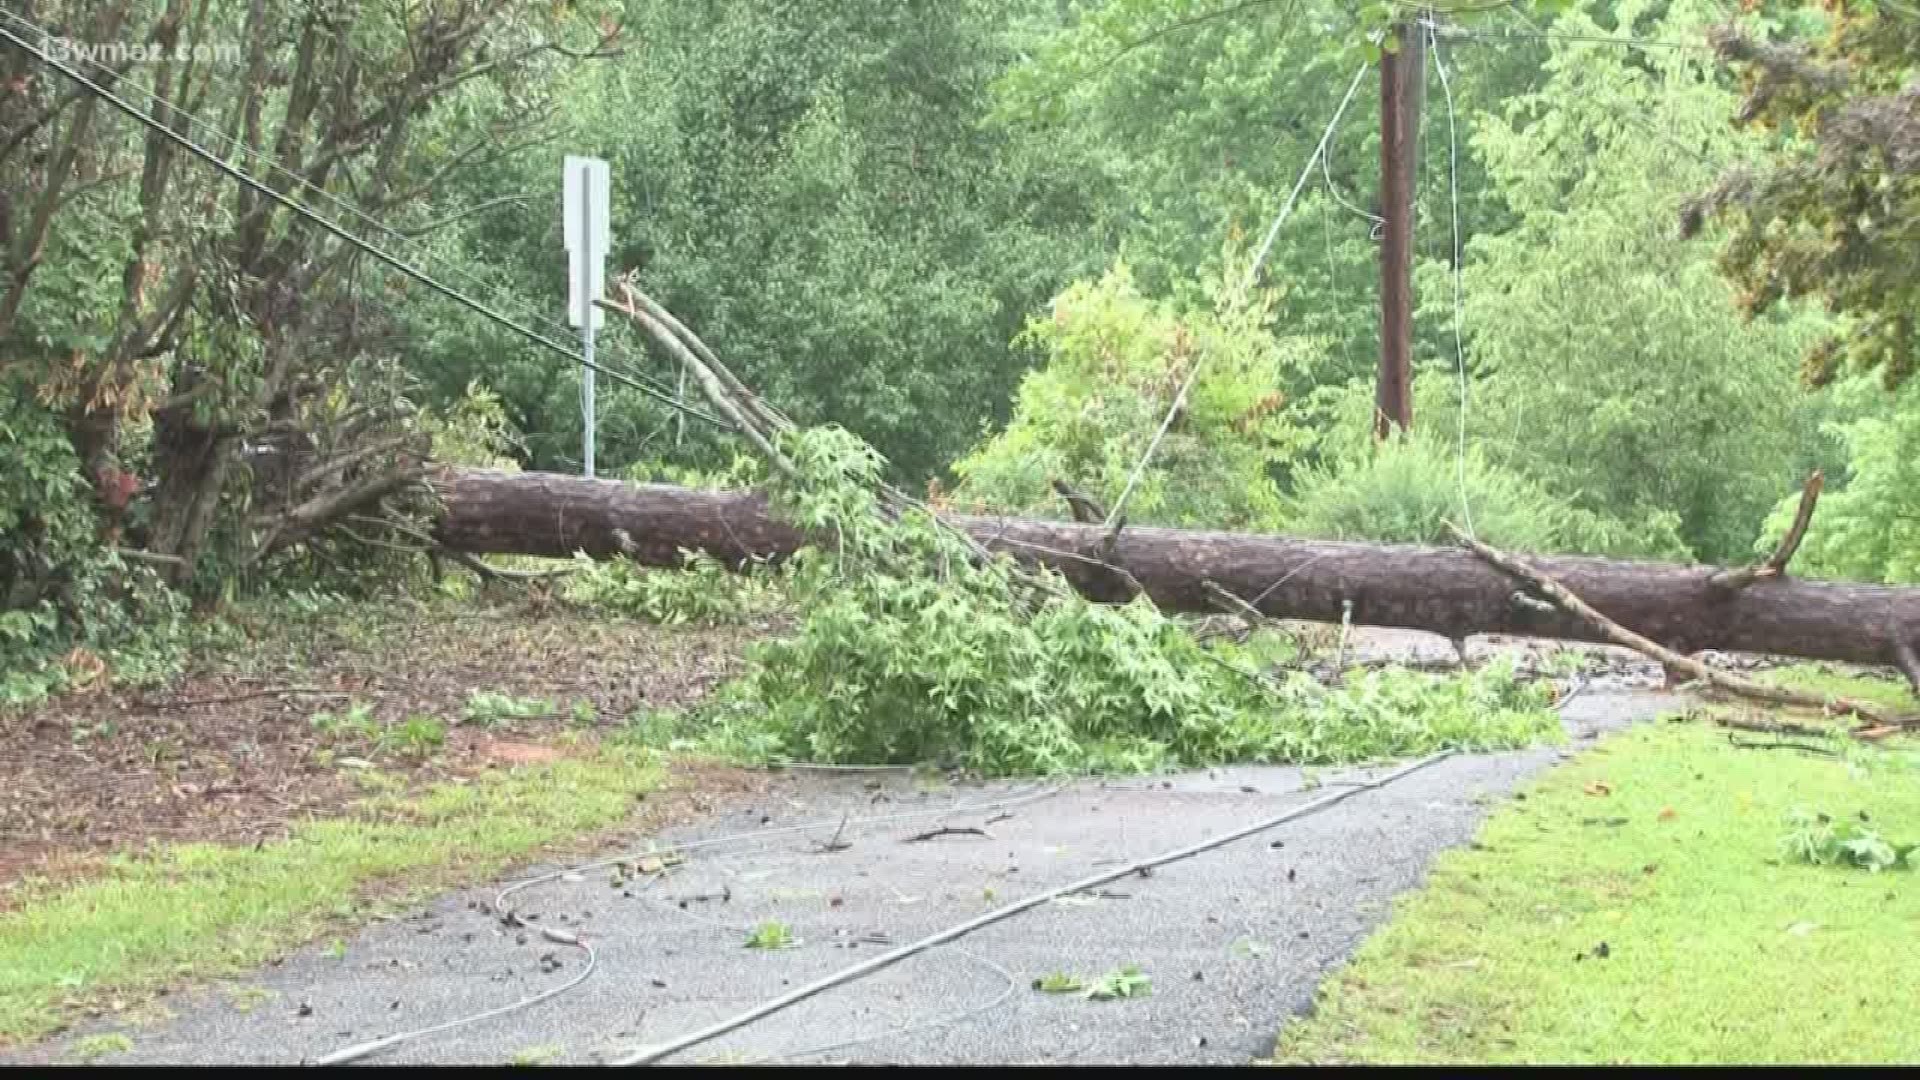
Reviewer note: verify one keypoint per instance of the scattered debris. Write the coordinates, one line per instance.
(771, 935)
(1059, 983)
(1125, 982)
(948, 830)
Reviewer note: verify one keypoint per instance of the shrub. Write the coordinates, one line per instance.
(1869, 528)
(61, 589)
(1407, 489)
(1115, 361)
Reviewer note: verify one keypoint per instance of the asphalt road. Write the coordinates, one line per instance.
(1232, 940)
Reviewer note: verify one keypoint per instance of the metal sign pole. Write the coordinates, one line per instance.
(586, 331)
(584, 213)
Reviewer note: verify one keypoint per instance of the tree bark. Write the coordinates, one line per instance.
(1448, 591)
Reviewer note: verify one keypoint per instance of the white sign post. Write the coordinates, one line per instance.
(584, 214)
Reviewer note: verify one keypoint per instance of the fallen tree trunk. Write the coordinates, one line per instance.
(1448, 591)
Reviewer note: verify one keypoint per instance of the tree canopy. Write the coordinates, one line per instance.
(1833, 212)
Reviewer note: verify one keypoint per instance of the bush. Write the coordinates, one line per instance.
(1406, 490)
(60, 588)
(1115, 361)
(1869, 528)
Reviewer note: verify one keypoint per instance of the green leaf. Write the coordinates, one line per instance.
(1058, 983)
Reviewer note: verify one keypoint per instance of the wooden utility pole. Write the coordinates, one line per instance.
(1402, 82)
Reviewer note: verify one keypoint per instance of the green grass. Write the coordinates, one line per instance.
(193, 911)
(1820, 680)
(1718, 949)
(97, 1046)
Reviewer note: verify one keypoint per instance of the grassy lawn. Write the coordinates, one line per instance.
(1663, 843)
(192, 911)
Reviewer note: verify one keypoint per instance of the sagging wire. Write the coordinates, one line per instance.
(1326, 173)
(1253, 275)
(1459, 304)
(301, 210)
(219, 135)
(1012, 985)
(962, 1016)
(558, 937)
(572, 940)
(650, 1054)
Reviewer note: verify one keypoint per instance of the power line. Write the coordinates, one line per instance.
(330, 226)
(492, 290)
(1456, 33)
(1459, 345)
(1253, 276)
(266, 160)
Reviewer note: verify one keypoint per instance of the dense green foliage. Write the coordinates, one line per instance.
(1113, 365)
(808, 187)
(1611, 363)
(1868, 530)
(1832, 215)
(1410, 490)
(907, 650)
(59, 591)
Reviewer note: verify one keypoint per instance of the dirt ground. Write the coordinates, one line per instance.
(230, 753)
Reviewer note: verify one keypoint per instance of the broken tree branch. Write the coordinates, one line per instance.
(758, 422)
(271, 691)
(947, 830)
(1772, 727)
(711, 385)
(1780, 744)
(1228, 602)
(1776, 563)
(1620, 635)
(470, 561)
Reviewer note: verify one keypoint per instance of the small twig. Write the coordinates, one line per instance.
(1232, 604)
(273, 691)
(1520, 599)
(946, 830)
(1776, 563)
(1824, 751)
(149, 556)
(1257, 678)
(1620, 635)
(836, 844)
